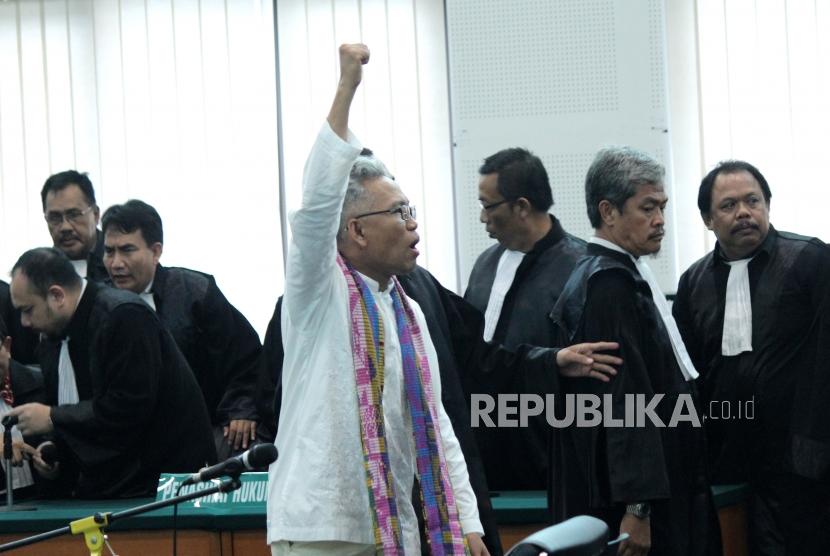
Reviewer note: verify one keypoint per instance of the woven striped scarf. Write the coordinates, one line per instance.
(440, 513)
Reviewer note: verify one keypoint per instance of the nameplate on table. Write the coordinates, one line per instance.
(253, 492)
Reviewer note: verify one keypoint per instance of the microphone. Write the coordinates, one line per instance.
(258, 456)
(49, 453)
(8, 422)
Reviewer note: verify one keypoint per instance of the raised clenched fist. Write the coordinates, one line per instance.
(352, 58)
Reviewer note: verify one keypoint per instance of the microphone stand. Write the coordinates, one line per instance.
(7, 456)
(91, 527)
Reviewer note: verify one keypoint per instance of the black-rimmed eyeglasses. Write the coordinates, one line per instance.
(407, 212)
(492, 205)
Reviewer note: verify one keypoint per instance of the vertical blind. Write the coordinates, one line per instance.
(168, 101)
(401, 110)
(175, 102)
(765, 98)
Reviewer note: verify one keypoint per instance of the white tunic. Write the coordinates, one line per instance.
(317, 488)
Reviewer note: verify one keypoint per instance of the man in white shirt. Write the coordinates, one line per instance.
(344, 479)
(348, 455)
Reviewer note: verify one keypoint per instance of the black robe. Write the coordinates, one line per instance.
(597, 470)
(517, 459)
(95, 269)
(455, 328)
(24, 340)
(140, 412)
(269, 382)
(26, 382)
(783, 451)
(220, 345)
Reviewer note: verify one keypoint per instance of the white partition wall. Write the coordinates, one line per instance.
(563, 79)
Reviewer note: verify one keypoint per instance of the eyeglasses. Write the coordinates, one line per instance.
(73, 216)
(407, 212)
(492, 205)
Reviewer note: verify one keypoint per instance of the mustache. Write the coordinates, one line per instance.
(658, 233)
(68, 235)
(746, 225)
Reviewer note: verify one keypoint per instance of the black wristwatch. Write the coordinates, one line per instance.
(641, 510)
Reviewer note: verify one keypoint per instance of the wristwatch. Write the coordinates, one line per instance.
(640, 510)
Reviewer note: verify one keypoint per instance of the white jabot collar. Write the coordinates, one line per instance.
(80, 267)
(147, 295)
(505, 274)
(737, 311)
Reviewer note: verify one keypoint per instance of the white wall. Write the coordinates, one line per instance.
(562, 79)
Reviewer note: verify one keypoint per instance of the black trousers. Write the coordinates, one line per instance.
(788, 515)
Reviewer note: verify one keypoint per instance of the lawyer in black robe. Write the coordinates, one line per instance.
(516, 459)
(782, 448)
(71, 192)
(598, 470)
(219, 343)
(140, 411)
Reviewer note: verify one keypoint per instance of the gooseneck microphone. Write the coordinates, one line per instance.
(258, 456)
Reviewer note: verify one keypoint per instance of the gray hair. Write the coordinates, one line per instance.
(614, 176)
(366, 167)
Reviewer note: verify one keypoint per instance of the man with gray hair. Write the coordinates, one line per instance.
(361, 412)
(361, 408)
(641, 478)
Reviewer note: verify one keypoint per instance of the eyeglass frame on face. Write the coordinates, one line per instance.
(407, 212)
(491, 206)
(73, 216)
